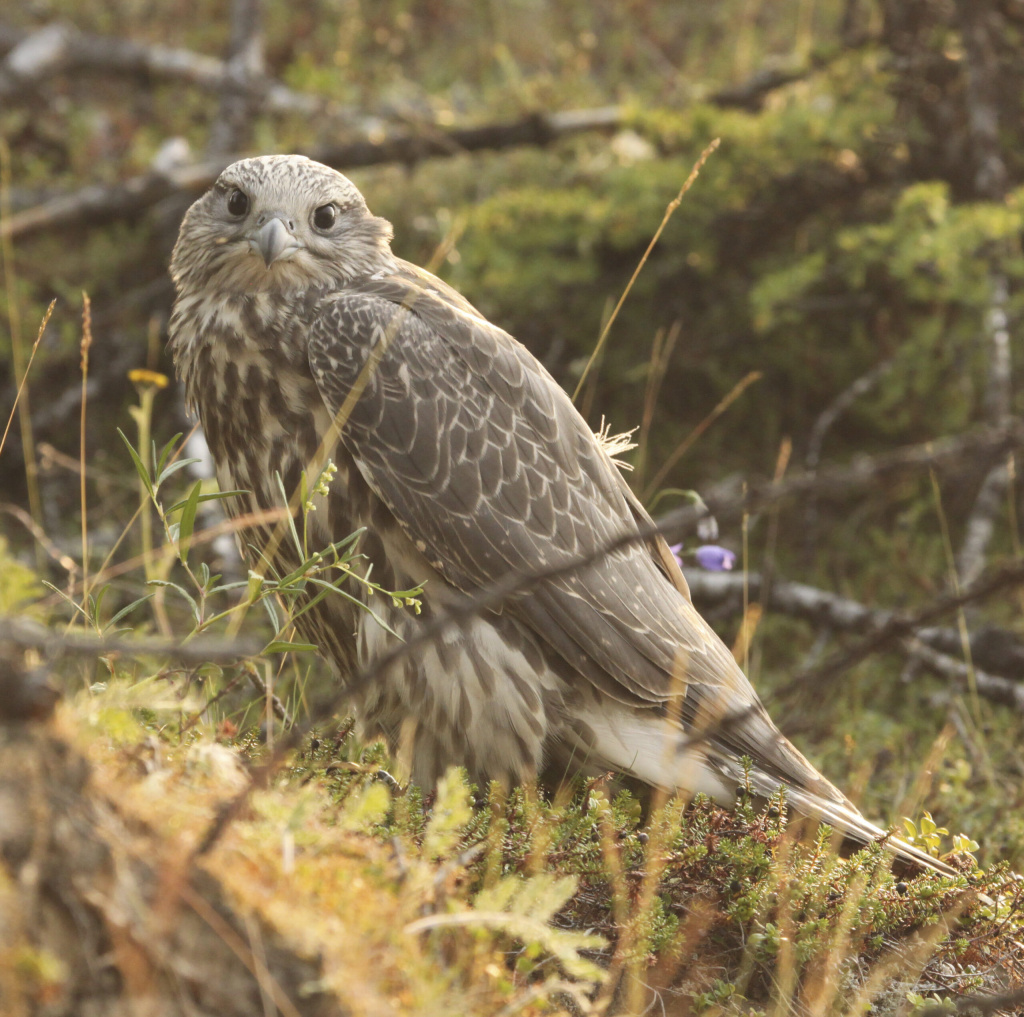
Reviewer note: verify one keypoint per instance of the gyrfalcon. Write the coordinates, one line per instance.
(300, 339)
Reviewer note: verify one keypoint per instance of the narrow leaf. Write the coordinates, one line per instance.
(165, 452)
(291, 518)
(178, 464)
(285, 646)
(188, 521)
(128, 610)
(215, 496)
(140, 467)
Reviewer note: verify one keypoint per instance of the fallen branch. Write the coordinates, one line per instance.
(729, 501)
(106, 202)
(201, 650)
(905, 624)
(37, 56)
(993, 687)
(992, 650)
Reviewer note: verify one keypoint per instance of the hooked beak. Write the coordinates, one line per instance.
(272, 240)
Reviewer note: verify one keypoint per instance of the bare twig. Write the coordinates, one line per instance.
(280, 710)
(824, 423)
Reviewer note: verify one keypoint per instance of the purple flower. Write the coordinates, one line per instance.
(715, 558)
(677, 553)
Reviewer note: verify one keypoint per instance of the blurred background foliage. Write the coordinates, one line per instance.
(845, 226)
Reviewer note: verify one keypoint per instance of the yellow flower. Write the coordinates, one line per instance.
(143, 377)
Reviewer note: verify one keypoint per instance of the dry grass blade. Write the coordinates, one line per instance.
(85, 347)
(669, 212)
(731, 396)
(28, 367)
(660, 356)
(17, 353)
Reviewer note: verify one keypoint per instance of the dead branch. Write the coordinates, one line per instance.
(750, 94)
(100, 203)
(997, 649)
(37, 56)
(902, 624)
(728, 501)
(824, 423)
(979, 26)
(992, 650)
(993, 687)
(232, 126)
(203, 649)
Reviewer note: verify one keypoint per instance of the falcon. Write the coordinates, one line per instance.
(305, 345)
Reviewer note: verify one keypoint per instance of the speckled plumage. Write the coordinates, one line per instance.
(465, 461)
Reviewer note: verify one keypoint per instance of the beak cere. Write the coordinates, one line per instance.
(272, 239)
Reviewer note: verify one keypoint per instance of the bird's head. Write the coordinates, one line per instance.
(281, 223)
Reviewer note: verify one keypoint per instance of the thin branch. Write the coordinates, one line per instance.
(756, 496)
(819, 432)
(200, 650)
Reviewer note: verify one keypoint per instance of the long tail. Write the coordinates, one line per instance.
(647, 749)
(853, 826)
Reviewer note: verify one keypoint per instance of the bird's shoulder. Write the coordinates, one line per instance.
(425, 338)
(406, 296)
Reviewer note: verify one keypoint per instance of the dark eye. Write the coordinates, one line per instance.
(324, 217)
(238, 203)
